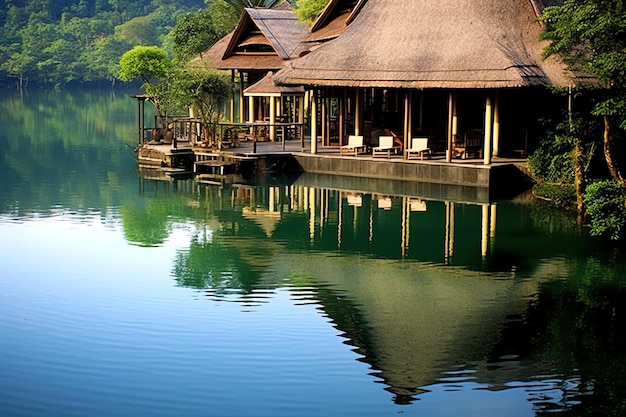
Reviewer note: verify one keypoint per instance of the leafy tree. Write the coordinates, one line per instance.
(202, 88)
(152, 65)
(309, 10)
(605, 204)
(590, 35)
(193, 34)
(139, 31)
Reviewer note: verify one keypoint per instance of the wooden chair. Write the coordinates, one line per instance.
(419, 147)
(355, 146)
(385, 147)
(469, 144)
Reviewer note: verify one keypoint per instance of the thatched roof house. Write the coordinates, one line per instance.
(263, 40)
(444, 44)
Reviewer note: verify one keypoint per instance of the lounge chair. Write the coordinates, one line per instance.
(385, 147)
(419, 147)
(355, 146)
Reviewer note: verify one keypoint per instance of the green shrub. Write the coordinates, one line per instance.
(553, 161)
(605, 206)
(561, 195)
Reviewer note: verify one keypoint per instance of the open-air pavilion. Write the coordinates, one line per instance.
(468, 75)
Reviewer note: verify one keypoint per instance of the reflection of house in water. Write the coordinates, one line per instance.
(408, 290)
(413, 322)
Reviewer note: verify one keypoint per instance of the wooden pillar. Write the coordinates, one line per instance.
(272, 118)
(232, 98)
(250, 109)
(358, 112)
(496, 126)
(313, 122)
(242, 101)
(488, 127)
(407, 119)
(341, 118)
(140, 118)
(324, 121)
(455, 115)
(450, 108)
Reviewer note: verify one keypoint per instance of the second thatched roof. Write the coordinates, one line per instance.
(443, 44)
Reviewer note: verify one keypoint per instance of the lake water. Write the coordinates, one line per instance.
(125, 295)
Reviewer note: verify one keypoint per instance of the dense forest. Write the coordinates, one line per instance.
(71, 42)
(64, 43)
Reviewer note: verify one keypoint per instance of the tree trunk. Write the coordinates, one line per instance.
(581, 181)
(608, 153)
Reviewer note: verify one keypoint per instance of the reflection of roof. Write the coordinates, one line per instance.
(267, 88)
(444, 44)
(420, 319)
(264, 218)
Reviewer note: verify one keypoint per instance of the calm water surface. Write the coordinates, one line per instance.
(126, 295)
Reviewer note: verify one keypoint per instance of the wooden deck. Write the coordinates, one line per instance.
(502, 174)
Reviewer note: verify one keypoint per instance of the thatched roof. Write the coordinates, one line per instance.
(267, 88)
(443, 44)
(334, 19)
(263, 40)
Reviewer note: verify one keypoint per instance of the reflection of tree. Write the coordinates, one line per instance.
(66, 149)
(209, 264)
(580, 325)
(147, 228)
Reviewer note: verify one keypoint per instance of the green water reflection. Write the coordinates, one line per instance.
(429, 293)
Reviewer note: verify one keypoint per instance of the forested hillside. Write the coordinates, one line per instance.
(70, 42)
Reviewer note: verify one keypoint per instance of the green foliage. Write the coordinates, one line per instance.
(309, 10)
(560, 195)
(590, 36)
(553, 161)
(204, 89)
(146, 62)
(605, 201)
(193, 34)
(77, 41)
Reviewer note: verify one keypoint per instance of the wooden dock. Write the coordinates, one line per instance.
(502, 176)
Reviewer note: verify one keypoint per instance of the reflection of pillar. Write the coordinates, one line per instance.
(484, 237)
(492, 224)
(340, 218)
(322, 209)
(496, 126)
(488, 127)
(272, 118)
(371, 221)
(449, 232)
(312, 192)
(305, 201)
(272, 202)
(358, 112)
(313, 122)
(405, 225)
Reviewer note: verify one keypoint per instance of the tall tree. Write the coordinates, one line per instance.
(152, 66)
(194, 33)
(590, 35)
